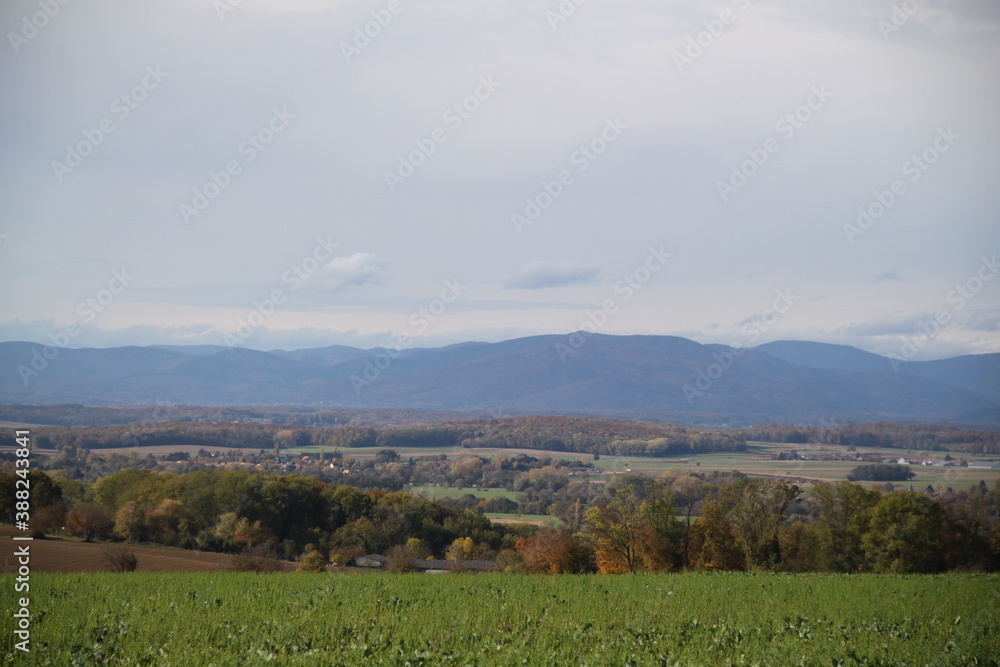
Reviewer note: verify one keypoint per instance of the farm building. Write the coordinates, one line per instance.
(371, 560)
(437, 566)
(430, 566)
(984, 464)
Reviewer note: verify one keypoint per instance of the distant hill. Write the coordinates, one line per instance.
(823, 355)
(979, 373)
(582, 374)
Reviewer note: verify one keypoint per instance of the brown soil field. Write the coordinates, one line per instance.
(65, 555)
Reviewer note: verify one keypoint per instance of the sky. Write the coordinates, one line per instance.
(302, 173)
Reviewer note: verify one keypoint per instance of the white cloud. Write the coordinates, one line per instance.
(361, 268)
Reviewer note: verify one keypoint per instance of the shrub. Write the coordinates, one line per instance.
(120, 559)
(882, 472)
(311, 561)
(254, 561)
(400, 559)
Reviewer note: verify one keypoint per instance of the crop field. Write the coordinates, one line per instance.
(534, 519)
(452, 492)
(160, 450)
(332, 619)
(757, 461)
(450, 452)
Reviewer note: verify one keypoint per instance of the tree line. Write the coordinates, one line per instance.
(559, 434)
(881, 434)
(766, 525)
(267, 428)
(688, 521)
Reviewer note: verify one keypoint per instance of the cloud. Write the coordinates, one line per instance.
(982, 320)
(888, 275)
(888, 325)
(539, 275)
(361, 268)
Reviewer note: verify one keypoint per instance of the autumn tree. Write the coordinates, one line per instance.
(311, 561)
(688, 490)
(130, 522)
(616, 530)
(168, 522)
(755, 508)
(554, 551)
(714, 541)
(460, 549)
(89, 522)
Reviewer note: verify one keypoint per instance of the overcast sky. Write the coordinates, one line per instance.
(266, 161)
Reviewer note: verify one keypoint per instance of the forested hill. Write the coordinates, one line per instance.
(663, 377)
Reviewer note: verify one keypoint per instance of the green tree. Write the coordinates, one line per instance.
(130, 522)
(904, 534)
(843, 510)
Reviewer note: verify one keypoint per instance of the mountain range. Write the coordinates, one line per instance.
(647, 376)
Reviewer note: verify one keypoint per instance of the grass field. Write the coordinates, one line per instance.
(452, 492)
(332, 619)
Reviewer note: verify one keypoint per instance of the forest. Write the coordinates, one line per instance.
(688, 521)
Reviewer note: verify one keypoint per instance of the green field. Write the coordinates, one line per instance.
(756, 460)
(336, 619)
(440, 492)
